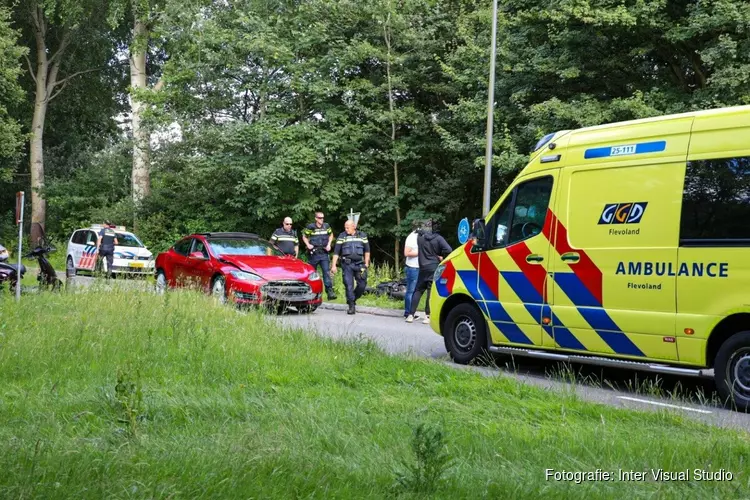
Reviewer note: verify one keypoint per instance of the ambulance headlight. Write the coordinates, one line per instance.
(438, 272)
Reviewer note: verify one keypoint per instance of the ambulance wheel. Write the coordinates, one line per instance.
(70, 268)
(464, 333)
(732, 370)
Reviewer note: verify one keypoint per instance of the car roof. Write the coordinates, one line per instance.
(230, 235)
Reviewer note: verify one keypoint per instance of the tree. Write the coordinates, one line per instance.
(10, 92)
(59, 31)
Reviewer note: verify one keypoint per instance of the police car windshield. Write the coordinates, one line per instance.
(242, 247)
(128, 240)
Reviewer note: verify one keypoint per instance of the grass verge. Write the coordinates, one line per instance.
(129, 394)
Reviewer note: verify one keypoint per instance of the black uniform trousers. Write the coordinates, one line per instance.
(109, 254)
(424, 284)
(354, 272)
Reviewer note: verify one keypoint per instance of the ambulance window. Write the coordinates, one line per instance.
(530, 209)
(499, 226)
(716, 203)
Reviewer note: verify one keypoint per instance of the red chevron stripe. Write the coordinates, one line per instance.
(585, 269)
(536, 273)
(490, 274)
(450, 275)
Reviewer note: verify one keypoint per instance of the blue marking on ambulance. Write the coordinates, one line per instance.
(626, 150)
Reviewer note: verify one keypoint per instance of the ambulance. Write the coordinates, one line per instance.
(626, 245)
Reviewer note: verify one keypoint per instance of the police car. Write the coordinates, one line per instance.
(131, 255)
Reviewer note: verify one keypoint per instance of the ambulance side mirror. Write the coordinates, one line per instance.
(478, 233)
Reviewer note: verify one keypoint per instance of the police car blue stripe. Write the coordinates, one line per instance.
(626, 150)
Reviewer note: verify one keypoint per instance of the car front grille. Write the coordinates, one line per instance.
(293, 291)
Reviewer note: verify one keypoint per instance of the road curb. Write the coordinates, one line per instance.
(377, 311)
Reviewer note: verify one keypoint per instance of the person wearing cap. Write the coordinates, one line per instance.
(286, 238)
(106, 246)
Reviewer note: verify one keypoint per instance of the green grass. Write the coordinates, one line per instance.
(128, 394)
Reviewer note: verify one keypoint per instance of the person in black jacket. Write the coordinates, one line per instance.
(432, 248)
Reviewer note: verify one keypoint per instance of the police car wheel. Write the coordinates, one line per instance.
(732, 370)
(464, 333)
(70, 268)
(218, 289)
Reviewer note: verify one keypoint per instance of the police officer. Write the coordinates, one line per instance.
(286, 238)
(318, 238)
(106, 246)
(354, 249)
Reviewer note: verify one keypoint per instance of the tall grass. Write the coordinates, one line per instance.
(127, 394)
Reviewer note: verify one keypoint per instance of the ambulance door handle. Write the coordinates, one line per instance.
(571, 257)
(534, 258)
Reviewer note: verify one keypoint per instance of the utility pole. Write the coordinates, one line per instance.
(490, 112)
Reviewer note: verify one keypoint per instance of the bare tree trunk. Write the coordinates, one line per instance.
(387, 33)
(141, 162)
(45, 78)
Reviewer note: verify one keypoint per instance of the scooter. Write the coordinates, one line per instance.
(47, 276)
(9, 273)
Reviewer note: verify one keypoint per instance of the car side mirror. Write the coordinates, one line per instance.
(198, 256)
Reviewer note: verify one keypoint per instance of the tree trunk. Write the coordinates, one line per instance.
(36, 153)
(387, 34)
(141, 162)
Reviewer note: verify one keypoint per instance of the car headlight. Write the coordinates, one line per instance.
(118, 255)
(245, 276)
(438, 272)
(314, 276)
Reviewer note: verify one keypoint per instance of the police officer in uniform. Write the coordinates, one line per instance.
(354, 250)
(286, 238)
(106, 246)
(318, 237)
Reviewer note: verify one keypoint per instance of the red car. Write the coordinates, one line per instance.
(242, 268)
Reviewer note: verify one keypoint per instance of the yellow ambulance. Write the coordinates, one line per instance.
(625, 244)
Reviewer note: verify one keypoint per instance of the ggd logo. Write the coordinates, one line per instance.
(623, 213)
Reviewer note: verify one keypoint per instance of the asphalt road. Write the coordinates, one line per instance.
(614, 387)
(398, 337)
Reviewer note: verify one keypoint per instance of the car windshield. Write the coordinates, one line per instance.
(128, 240)
(242, 247)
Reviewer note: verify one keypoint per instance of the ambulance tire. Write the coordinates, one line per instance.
(732, 371)
(465, 333)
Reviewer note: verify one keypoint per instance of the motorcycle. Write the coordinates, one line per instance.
(9, 273)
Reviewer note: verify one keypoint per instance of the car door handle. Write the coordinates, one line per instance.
(571, 257)
(534, 258)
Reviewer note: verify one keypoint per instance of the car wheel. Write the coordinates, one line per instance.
(732, 370)
(161, 283)
(464, 333)
(70, 268)
(218, 289)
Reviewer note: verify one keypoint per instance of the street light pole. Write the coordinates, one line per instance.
(490, 111)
